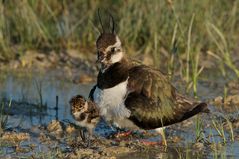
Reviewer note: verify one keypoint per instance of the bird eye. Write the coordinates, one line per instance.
(112, 49)
(82, 116)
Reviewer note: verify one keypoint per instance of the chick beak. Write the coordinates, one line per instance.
(101, 59)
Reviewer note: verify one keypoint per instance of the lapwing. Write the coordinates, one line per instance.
(135, 96)
(86, 113)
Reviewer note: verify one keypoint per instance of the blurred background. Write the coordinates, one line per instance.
(184, 38)
(189, 34)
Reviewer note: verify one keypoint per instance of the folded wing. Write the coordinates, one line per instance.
(154, 102)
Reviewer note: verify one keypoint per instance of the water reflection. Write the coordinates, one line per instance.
(34, 96)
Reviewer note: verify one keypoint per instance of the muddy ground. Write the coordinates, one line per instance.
(37, 125)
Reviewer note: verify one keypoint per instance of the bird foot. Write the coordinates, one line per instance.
(123, 134)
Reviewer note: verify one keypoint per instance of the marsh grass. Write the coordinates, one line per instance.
(220, 41)
(39, 87)
(231, 131)
(218, 126)
(171, 65)
(199, 130)
(4, 117)
(196, 27)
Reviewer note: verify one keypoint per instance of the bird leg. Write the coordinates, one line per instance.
(82, 135)
(159, 131)
(164, 139)
(86, 137)
(153, 143)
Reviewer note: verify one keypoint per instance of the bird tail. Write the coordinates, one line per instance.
(199, 108)
(202, 107)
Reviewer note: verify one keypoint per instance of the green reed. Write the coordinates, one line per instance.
(4, 117)
(152, 28)
(220, 129)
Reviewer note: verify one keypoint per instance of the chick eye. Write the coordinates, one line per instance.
(113, 49)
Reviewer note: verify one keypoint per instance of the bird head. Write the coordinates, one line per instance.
(108, 45)
(78, 107)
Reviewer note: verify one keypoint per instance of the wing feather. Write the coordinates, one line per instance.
(154, 102)
(154, 85)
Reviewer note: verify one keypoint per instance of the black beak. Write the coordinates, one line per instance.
(100, 58)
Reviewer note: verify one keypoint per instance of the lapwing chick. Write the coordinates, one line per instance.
(86, 113)
(133, 95)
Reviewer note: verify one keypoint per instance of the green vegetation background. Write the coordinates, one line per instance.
(181, 30)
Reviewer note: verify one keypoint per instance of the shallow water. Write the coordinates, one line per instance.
(25, 88)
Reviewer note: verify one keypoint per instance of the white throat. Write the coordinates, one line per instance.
(116, 57)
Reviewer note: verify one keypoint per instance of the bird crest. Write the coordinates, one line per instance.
(111, 23)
